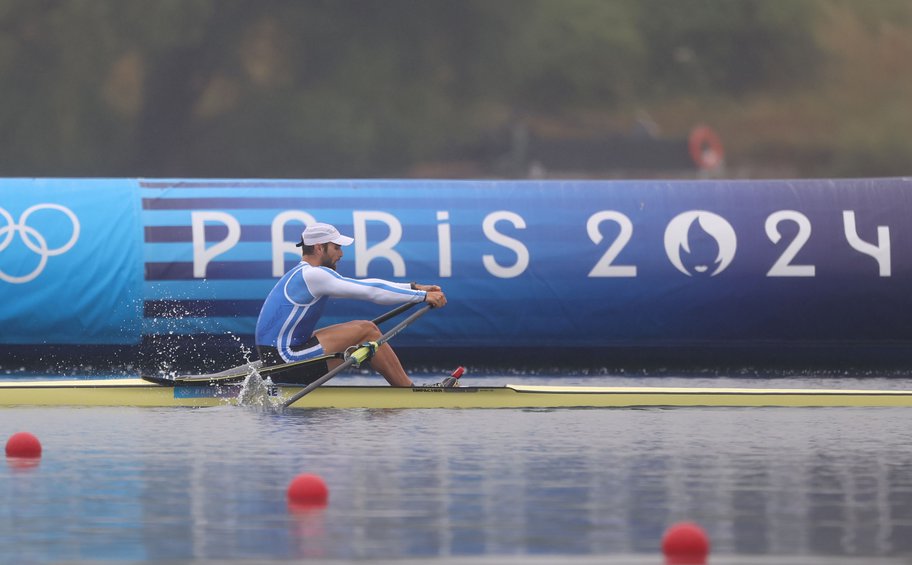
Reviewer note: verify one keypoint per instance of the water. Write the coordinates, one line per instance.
(141, 484)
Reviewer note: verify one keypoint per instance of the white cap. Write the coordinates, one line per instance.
(323, 233)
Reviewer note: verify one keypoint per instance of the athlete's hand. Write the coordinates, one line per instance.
(427, 287)
(435, 298)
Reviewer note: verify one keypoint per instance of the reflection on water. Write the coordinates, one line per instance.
(162, 484)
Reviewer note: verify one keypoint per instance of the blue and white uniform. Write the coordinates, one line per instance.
(293, 308)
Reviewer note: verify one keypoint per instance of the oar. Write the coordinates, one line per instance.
(393, 313)
(358, 356)
(241, 371)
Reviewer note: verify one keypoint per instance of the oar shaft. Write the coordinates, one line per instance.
(351, 360)
(402, 325)
(307, 390)
(393, 313)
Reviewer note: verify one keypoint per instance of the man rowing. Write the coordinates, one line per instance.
(285, 331)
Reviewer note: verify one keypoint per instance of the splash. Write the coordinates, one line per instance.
(258, 392)
(175, 350)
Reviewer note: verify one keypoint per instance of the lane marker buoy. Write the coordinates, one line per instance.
(23, 444)
(685, 543)
(308, 491)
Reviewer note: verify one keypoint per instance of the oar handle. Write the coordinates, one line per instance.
(356, 356)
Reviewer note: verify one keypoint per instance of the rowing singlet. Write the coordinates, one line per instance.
(294, 306)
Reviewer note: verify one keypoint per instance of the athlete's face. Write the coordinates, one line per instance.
(332, 252)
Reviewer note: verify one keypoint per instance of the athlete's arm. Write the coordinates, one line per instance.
(325, 282)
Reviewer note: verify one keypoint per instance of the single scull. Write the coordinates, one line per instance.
(139, 392)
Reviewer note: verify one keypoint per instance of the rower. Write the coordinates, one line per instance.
(285, 331)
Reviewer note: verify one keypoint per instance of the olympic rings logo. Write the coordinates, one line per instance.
(33, 239)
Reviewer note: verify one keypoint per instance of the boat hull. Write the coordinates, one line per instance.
(137, 392)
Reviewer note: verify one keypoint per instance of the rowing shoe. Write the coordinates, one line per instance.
(451, 381)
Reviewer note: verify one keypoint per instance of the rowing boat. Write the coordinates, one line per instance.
(139, 392)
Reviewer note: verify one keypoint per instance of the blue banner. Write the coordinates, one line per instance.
(553, 263)
(70, 262)
(599, 264)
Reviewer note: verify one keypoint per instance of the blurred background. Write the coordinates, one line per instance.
(457, 89)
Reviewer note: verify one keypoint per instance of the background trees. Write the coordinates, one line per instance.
(358, 88)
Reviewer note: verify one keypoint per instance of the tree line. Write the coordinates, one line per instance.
(363, 88)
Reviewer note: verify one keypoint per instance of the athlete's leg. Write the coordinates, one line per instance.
(340, 337)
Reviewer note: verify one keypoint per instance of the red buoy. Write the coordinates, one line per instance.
(308, 491)
(685, 543)
(23, 444)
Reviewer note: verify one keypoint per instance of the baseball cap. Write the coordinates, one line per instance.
(323, 233)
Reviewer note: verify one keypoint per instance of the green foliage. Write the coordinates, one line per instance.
(729, 47)
(312, 88)
(574, 52)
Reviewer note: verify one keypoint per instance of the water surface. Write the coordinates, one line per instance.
(209, 484)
